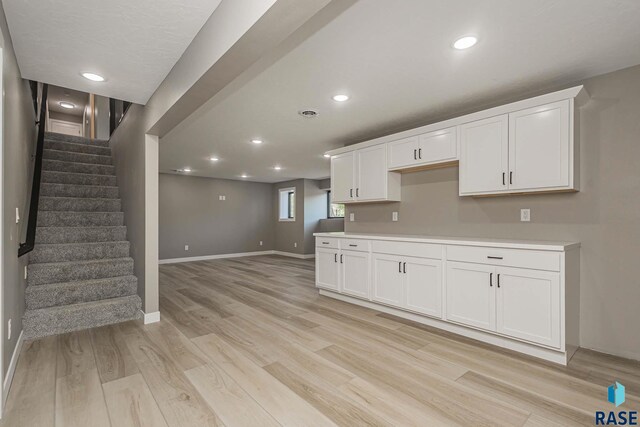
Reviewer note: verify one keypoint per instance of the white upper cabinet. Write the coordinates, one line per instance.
(430, 148)
(540, 152)
(484, 156)
(362, 176)
(527, 146)
(343, 176)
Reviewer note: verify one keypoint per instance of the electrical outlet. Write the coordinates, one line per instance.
(186, 247)
(260, 242)
(525, 215)
(352, 216)
(222, 197)
(394, 216)
(295, 244)
(9, 329)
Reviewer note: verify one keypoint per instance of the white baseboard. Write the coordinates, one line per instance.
(236, 255)
(210, 257)
(151, 317)
(292, 255)
(11, 371)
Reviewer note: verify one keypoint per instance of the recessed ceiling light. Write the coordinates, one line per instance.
(465, 42)
(68, 105)
(327, 156)
(277, 167)
(93, 77)
(256, 141)
(340, 98)
(214, 159)
(244, 175)
(186, 170)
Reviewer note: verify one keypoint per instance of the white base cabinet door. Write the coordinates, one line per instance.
(327, 269)
(423, 286)
(355, 273)
(471, 298)
(528, 305)
(387, 279)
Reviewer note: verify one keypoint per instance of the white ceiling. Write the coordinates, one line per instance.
(396, 62)
(57, 94)
(133, 44)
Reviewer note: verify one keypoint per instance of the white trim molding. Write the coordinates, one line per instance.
(151, 317)
(292, 255)
(11, 371)
(236, 255)
(210, 257)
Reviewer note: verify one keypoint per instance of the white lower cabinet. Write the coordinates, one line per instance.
(528, 305)
(327, 269)
(423, 286)
(471, 298)
(387, 279)
(523, 297)
(355, 273)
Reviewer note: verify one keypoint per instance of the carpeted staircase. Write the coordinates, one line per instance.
(80, 274)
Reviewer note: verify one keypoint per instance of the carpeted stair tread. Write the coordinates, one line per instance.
(79, 219)
(56, 294)
(79, 204)
(60, 252)
(52, 136)
(70, 156)
(74, 167)
(80, 191)
(67, 318)
(67, 271)
(61, 177)
(80, 234)
(77, 148)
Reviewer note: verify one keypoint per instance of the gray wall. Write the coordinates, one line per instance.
(56, 115)
(286, 233)
(192, 214)
(315, 210)
(604, 215)
(128, 149)
(18, 145)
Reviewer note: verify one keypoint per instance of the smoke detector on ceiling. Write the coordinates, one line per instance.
(308, 113)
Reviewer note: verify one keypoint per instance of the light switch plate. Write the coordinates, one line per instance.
(352, 216)
(260, 242)
(186, 247)
(525, 215)
(394, 216)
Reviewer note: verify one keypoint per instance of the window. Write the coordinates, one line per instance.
(334, 210)
(287, 204)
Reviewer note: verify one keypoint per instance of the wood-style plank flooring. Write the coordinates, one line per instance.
(249, 342)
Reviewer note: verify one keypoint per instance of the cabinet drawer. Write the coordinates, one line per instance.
(539, 260)
(420, 250)
(327, 242)
(355, 245)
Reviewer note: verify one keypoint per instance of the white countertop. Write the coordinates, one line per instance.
(542, 245)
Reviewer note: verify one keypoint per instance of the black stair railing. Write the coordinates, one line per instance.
(32, 221)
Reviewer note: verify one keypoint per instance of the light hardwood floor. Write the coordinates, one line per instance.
(249, 342)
